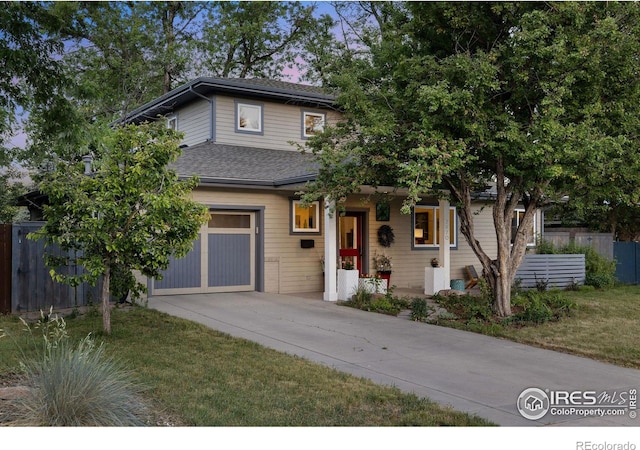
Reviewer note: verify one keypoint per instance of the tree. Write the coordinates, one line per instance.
(131, 213)
(31, 77)
(254, 39)
(463, 96)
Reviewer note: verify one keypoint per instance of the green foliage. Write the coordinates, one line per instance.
(361, 299)
(385, 304)
(532, 306)
(540, 307)
(72, 385)
(9, 192)
(600, 271)
(254, 39)
(461, 94)
(132, 213)
(420, 311)
(80, 386)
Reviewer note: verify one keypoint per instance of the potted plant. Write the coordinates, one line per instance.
(373, 284)
(383, 266)
(347, 280)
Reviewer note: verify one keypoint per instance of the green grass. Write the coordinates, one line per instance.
(603, 326)
(206, 378)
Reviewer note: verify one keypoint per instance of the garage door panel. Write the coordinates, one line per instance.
(183, 272)
(229, 260)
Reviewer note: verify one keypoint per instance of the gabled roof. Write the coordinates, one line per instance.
(281, 91)
(222, 164)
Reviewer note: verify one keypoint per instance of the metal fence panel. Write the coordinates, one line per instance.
(557, 270)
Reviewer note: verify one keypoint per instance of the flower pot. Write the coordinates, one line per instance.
(347, 283)
(385, 275)
(373, 285)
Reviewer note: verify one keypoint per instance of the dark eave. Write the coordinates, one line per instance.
(290, 93)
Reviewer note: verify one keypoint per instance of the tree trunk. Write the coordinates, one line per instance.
(499, 273)
(106, 306)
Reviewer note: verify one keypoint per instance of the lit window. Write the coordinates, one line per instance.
(248, 117)
(426, 226)
(172, 122)
(312, 123)
(305, 220)
(518, 216)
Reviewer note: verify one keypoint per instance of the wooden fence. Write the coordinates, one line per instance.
(600, 242)
(556, 270)
(5, 269)
(31, 286)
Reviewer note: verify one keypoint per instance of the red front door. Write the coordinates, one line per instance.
(351, 225)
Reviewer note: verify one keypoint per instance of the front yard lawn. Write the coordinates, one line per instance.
(206, 378)
(604, 325)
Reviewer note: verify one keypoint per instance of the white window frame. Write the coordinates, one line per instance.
(434, 224)
(259, 108)
(299, 230)
(305, 114)
(172, 122)
(516, 214)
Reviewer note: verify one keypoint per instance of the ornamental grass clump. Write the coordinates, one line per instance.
(76, 385)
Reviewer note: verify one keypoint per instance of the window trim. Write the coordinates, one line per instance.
(256, 105)
(293, 230)
(452, 246)
(535, 226)
(172, 118)
(304, 113)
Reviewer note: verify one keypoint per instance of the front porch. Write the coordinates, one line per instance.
(414, 262)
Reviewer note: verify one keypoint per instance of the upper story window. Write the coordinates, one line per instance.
(312, 123)
(249, 117)
(172, 122)
(305, 220)
(426, 226)
(518, 215)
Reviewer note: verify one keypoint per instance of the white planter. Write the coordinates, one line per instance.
(347, 283)
(373, 285)
(434, 280)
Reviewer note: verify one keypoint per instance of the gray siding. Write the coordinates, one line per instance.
(194, 121)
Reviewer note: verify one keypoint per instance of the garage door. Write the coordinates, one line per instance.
(222, 260)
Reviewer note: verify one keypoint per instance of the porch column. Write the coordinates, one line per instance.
(444, 237)
(330, 253)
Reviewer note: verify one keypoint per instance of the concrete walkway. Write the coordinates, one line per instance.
(470, 372)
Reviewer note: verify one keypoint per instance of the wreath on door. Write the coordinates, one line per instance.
(385, 236)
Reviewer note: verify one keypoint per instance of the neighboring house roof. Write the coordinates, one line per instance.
(291, 93)
(228, 164)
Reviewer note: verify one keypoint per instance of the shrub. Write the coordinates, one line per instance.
(536, 311)
(361, 298)
(420, 310)
(383, 305)
(80, 386)
(467, 306)
(74, 385)
(600, 271)
(541, 307)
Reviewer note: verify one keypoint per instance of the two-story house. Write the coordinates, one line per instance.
(239, 139)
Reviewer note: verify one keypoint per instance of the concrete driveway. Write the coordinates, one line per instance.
(470, 372)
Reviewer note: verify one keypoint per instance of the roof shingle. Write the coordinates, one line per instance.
(229, 164)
